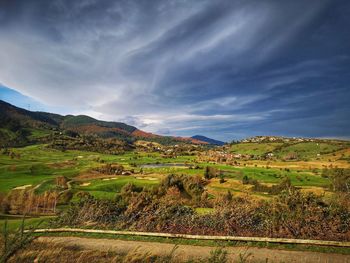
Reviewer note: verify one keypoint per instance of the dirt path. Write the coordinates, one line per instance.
(187, 251)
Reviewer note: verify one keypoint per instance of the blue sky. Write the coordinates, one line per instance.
(224, 69)
(28, 103)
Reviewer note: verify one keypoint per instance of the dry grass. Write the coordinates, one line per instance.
(90, 175)
(236, 187)
(57, 252)
(299, 165)
(48, 252)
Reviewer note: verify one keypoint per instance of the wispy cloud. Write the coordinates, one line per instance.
(182, 67)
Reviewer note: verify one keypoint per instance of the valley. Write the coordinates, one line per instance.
(94, 175)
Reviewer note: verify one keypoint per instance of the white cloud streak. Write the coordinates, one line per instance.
(161, 66)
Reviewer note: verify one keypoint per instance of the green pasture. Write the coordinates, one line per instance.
(254, 148)
(303, 150)
(262, 174)
(38, 133)
(136, 158)
(47, 185)
(270, 175)
(108, 188)
(15, 222)
(7, 134)
(308, 150)
(39, 164)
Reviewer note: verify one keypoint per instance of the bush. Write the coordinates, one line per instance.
(210, 172)
(284, 185)
(89, 210)
(190, 186)
(291, 214)
(245, 180)
(65, 197)
(340, 179)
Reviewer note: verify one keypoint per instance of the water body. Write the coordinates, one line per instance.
(160, 165)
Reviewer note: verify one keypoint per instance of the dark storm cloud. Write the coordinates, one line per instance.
(226, 69)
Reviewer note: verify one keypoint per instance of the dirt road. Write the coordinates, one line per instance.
(187, 252)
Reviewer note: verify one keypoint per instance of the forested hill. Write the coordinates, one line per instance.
(19, 126)
(208, 140)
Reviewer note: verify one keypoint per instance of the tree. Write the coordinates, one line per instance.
(210, 172)
(245, 180)
(206, 173)
(340, 179)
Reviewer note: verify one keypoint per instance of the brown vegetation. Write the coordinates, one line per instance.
(22, 201)
(110, 169)
(87, 250)
(88, 143)
(95, 129)
(143, 134)
(168, 209)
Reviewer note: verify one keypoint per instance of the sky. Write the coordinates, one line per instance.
(224, 69)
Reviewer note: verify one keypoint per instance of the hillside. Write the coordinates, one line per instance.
(19, 127)
(277, 139)
(208, 140)
(288, 149)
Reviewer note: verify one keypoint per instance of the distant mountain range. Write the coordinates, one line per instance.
(17, 123)
(208, 140)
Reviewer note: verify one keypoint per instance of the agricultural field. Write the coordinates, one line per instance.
(310, 150)
(254, 148)
(303, 151)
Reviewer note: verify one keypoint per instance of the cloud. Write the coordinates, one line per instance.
(182, 67)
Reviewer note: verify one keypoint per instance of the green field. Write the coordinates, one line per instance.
(302, 150)
(15, 222)
(254, 148)
(107, 188)
(269, 175)
(40, 165)
(308, 150)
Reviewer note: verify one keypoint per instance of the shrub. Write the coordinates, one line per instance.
(210, 172)
(291, 214)
(89, 210)
(340, 179)
(65, 197)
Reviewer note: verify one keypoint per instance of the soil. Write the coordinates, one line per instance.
(185, 252)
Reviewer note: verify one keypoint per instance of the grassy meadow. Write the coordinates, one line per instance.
(38, 166)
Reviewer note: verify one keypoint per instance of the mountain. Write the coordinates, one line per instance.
(19, 126)
(208, 140)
